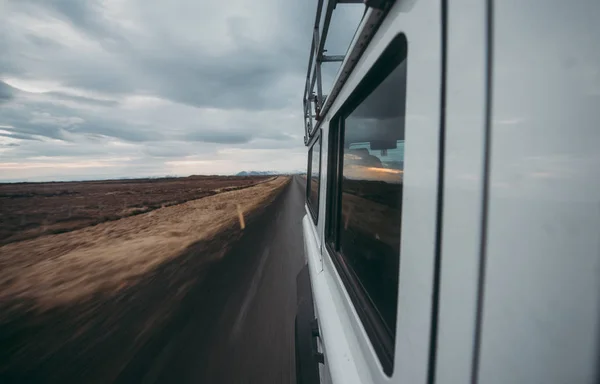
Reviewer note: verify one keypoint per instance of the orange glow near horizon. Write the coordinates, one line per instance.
(389, 175)
(385, 170)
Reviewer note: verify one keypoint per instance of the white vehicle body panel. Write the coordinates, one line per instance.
(519, 263)
(541, 306)
(463, 184)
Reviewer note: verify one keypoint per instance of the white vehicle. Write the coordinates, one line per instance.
(452, 232)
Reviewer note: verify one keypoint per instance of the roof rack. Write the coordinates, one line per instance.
(317, 104)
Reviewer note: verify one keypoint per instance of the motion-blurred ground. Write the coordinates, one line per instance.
(80, 304)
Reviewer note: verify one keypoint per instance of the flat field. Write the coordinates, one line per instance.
(76, 306)
(29, 210)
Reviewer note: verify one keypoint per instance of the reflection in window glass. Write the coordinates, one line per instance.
(313, 192)
(373, 165)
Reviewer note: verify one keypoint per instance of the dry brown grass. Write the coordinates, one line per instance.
(30, 210)
(58, 269)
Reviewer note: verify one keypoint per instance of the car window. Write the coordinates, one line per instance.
(313, 181)
(363, 230)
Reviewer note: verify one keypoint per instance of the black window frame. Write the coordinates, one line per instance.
(314, 211)
(381, 339)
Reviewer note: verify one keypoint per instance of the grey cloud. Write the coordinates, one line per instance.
(270, 144)
(245, 78)
(218, 137)
(166, 152)
(190, 82)
(43, 42)
(18, 125)
(21, 121)
(27, 127)
(82, 149)
(187, 58)
(241, 136)
(81, 99)
(278, 136)
(83, 15)
(119, 130)
(53, 121)
(177, 149)
(16, 135)
(41, 149)
(101, 77)
(6, 92)
(59, 122)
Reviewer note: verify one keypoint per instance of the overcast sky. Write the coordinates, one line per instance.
(112, 88)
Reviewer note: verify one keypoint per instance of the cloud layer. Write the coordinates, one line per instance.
(131, 88)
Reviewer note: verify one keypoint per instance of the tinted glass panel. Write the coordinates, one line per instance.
(315, 170)
(372, 170)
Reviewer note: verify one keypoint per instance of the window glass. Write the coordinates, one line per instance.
(313, 181)
(372, 174)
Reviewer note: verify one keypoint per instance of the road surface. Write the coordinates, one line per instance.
(240, 326)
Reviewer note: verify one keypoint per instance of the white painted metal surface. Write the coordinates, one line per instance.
(540, 320)
(541, 315)
(420, 22)
(335, 337)
(465, 122)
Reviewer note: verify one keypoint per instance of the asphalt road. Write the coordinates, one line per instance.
(240, 327)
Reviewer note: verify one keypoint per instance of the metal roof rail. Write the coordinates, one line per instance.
(317, 104)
